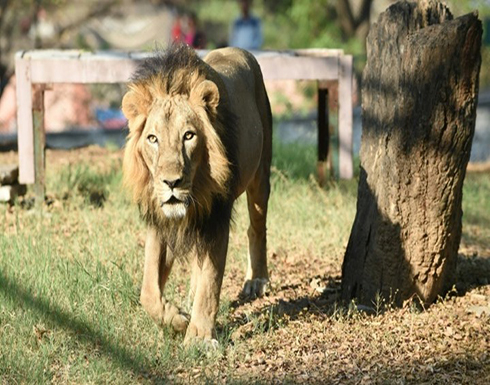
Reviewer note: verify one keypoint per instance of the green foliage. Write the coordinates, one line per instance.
(294, 24)
(461, 7)
(286, 24)
(476, 208)
(311, 26)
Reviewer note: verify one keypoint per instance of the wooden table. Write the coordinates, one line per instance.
(36, 70)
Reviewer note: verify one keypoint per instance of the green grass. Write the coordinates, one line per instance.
(73, 271)
(70, 274)
(476, 209)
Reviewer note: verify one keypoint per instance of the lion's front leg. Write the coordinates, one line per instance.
(156, 271)
(208, 277)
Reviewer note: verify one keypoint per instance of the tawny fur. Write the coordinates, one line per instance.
(223, 100)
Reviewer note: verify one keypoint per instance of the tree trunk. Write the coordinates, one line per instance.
(420, 89)
(354, 23)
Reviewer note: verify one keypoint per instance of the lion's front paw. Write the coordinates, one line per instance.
(206, 344)
(200, 336)
(175, 318)
(254, 288)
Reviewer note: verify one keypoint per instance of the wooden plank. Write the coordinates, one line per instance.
(282, 67)
(39, 142)
(117, 70)
(72, 54)
(47, 54)
(346, 169)
(24, 119)
(82, 70)
(319, 52)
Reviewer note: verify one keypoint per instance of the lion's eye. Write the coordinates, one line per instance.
(152, 139)
(189, 135)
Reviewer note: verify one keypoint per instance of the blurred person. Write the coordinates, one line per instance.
(246, 31)
(177, 34)
(195, 36)
(185, 31)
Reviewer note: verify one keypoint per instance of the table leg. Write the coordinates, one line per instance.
(25, 131)
(323, 134)
(39, 143)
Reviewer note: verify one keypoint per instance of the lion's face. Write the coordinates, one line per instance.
(174, 162)
(172, 147)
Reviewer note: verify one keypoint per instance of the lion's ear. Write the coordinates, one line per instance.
(206, 94)
(135, 107)
(130, 106)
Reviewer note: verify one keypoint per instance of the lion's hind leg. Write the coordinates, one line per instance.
(257, 276)
(156, 271)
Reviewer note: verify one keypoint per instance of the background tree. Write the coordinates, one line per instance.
(19, 26)
(353, 25)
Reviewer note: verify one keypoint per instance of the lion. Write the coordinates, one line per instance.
(200, 134)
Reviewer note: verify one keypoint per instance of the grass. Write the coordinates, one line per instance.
(70, 276)
(476, 208)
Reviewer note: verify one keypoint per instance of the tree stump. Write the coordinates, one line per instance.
(419, 96)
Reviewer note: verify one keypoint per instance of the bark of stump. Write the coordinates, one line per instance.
(419, 93)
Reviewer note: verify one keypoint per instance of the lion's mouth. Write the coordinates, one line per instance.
(172, 201)
(175, 207)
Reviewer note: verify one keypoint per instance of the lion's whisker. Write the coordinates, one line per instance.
(194, 201)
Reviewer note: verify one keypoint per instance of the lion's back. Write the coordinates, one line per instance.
(231, 61)
(247, 98)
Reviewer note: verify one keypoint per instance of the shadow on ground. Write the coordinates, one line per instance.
(82, 331)
(472, 272)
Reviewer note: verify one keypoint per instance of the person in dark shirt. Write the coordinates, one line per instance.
(246, 31)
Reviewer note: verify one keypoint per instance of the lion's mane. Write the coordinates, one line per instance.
(177, 71)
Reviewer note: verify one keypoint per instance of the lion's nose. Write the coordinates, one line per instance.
(172, 183)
